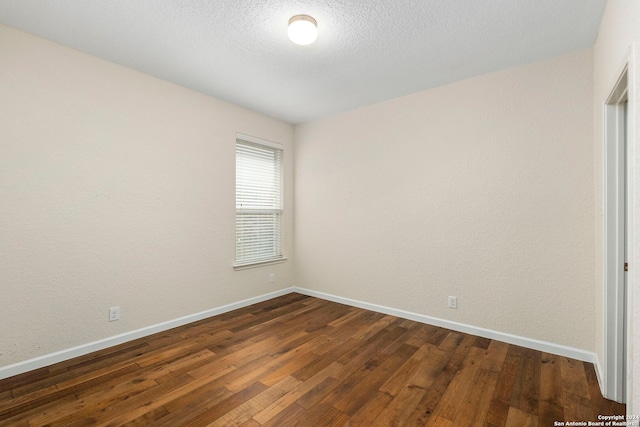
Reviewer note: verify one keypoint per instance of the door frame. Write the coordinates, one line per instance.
(618, 168)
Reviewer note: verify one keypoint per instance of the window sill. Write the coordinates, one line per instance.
(258, 264)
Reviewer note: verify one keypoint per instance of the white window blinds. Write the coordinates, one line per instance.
(258, 202)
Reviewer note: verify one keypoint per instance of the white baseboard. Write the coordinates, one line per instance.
(81, 350)
(544, 346)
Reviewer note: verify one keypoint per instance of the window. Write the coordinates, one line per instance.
(258, 201)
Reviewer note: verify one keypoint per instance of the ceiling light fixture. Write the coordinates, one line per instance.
(303, 29)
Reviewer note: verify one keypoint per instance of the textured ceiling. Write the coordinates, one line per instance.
(367, 50)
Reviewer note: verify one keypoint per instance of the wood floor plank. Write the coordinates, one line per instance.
(10, 405)
(227, 405)
(421, 334)
(244, 412)
(33, 378)
(441, 422)
(466, 344)
(146, 418)
(285, 417)
(600, 404)
(451, 341)
(400, 408)
(180, 390)
(475, 403)
(519, 418)
(191, 405)
(302, 361)
(400, 340)
(426, 407)
(110, 356)
(482, 342)
(368, 413)
(349, 398)
(494, 356)
(438, 336)
(250, 423)
(577, 407)
(574, 378)
(98, 404)
(452, 398)
(294, 360)
(320, 415)
(551, 409)
(325, 359)
(24, 417)
(526, 390)
(400, 378)
(300, 394)
(499, 406)
(432, 364)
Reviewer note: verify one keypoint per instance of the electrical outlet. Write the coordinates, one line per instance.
(114, 314)
(272, 277)
(453, 302)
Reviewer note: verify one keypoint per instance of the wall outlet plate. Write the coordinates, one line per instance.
(114, 314)
(453, 302)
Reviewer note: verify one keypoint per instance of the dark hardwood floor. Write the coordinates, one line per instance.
(302, 361)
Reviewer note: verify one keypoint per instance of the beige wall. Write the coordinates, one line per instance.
(117, 189)
(482, 189)
(618, 40)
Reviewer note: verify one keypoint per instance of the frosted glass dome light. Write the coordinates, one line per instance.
(303, 29)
